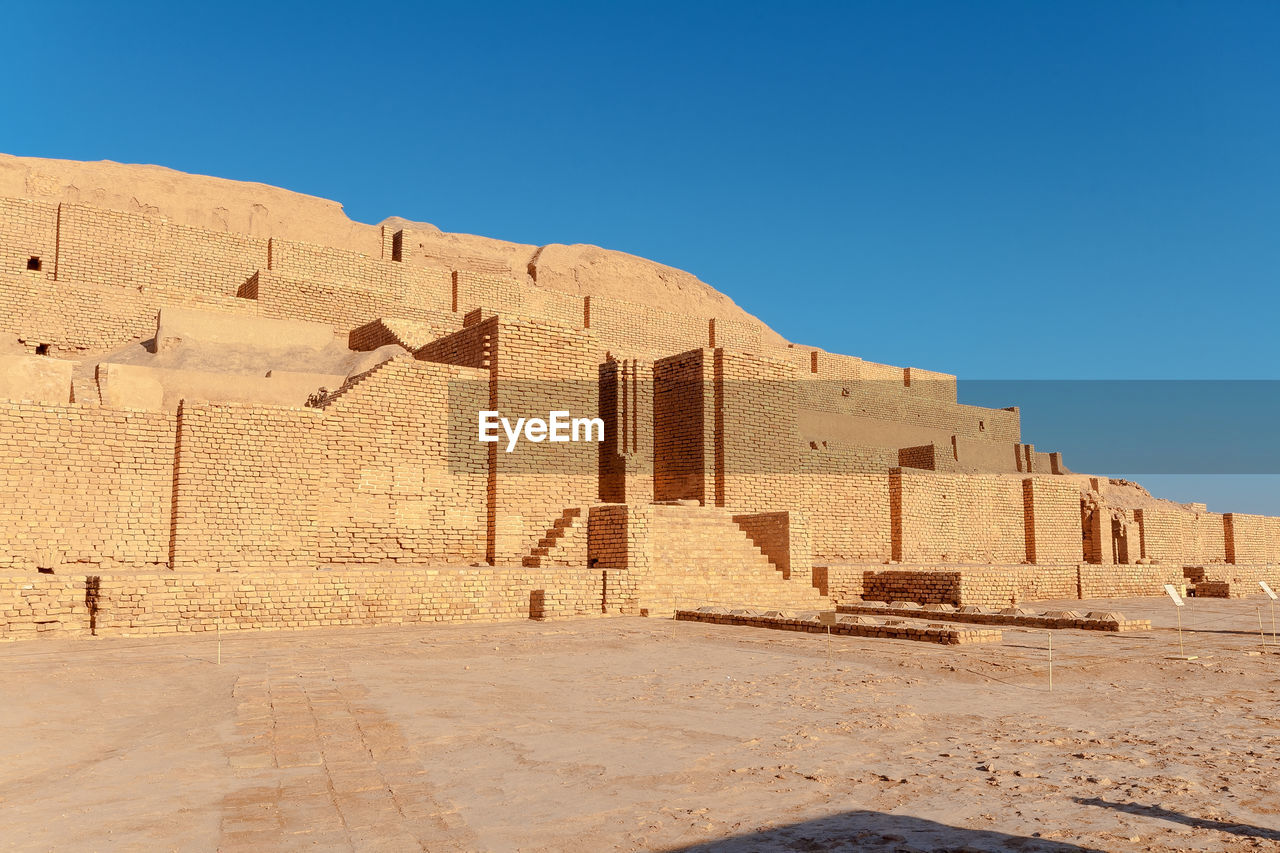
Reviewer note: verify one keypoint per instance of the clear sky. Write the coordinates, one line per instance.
(1024, 190)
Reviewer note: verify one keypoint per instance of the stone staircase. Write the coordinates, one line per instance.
(565, 543)
(702, 557)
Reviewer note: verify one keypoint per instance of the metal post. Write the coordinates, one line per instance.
(1051, 662)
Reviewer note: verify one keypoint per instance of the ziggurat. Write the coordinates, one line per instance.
(207, 427)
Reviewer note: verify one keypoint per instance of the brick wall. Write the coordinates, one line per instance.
(141, 605)
(478, 289)
(1053, 524)
(1129, 581)
(403, 476)
(1205, 538)
(28, 229)
(535, 369)
(644, 331)
(396, 283)
(84, 485)
(845, 493)
(1162, 534)
(783, 537)
(885, 401)
(756, 442)
(983, 586)
(941, 517)
(342, 305)
(1250, 538)
(626, 455)
(246, 491)
(684, 427)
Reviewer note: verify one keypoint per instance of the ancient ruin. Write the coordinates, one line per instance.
(226, 405)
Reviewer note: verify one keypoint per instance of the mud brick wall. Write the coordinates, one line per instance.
(1245, 577)
(413, 335)
(100, 246)
(994, 586)
(1004, 586)
(472, 289)
(1127, 581)
(401, 283)
(684, 427)
(194, 262)
(1205, 538)
(84, 485)
(756, 442)
(72, 317)
(344, 306)
(469, 347)
(619, 537)
(847, 627)
(1163, 535)
(845, 493)
(133, 250)
(618, 543)
(425, 248)
(931, 384)
(643, 331)
(842, 583)
(928, 457)
(404, 478)
(28, 229)
(924, 587)
(1251, 538)
(941, 517)
(883, 400)
(1053, 525)
(193, 602)
(539, 368)
(783, 537)
(246, 489)
(886, 377)
(736, 335)
(626, 455)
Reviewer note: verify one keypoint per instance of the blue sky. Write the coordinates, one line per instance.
(1083, 190)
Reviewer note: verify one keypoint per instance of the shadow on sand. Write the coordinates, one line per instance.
(878, 832)
(1241, 829)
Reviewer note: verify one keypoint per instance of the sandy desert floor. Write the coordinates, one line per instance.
(645, 734)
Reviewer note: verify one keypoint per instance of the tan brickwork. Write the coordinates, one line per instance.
(387, 469)
(684, 427)
(135, 605)
(403, 479)
(84, 485)
(846, 499)
(1053, 530)
(28, 229)
(246, 488)
(626, 454)
(941, 517)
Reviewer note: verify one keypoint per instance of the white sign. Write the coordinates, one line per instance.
(827, 617)
(1173, 593)
(1271, 595)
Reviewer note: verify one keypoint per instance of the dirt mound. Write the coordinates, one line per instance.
(262, 210)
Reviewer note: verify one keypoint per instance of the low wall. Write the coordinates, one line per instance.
(956, 584)
(1001, 586)
(1097, 581)
(129, 605)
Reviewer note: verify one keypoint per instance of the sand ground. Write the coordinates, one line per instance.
(644, 734)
